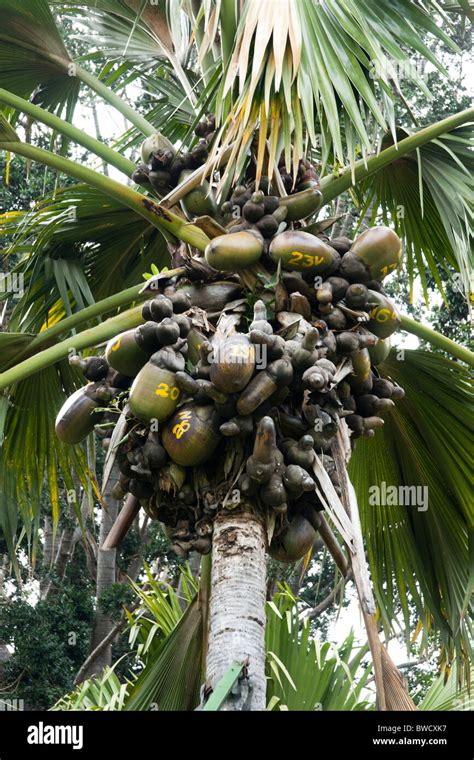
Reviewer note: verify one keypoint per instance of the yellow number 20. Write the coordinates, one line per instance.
(165, 391)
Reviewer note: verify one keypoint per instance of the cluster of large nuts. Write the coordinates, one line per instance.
(216, 414)
(164, 168)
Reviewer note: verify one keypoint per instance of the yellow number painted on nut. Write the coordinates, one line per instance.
(165, 391)
(305, 259)
(116, 345)
(387, 268)
(297, 256)
(381, 315)
(181, 428)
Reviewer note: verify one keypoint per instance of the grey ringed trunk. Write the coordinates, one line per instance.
(237, 604)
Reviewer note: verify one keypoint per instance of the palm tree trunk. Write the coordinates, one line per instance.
(106, 576)
(237, 604)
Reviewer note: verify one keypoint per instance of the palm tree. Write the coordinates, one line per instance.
(293, 81)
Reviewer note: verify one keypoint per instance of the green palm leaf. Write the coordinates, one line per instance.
(135, 30)
(171, 677)
(422, 555)
(31, 454)
(170, 108)
(335, 64)
(33, 55)
(304, 674)
(76, 247)
(446, 695)
(11, 345)
(104, 693)
(428, 197)
(139, 15)
(167, 641)
(34, 59)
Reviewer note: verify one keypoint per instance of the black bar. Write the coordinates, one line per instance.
(124, 734)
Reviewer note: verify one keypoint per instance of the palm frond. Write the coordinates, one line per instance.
(76, 247)
(428, 197)
(105, 693)
(333, 64)
(170, 108)
(138, 31)
(302, 673)
(33, 58)
(171, 677)
(168, 644)
(446, 695)
(31, 454)
(11, 346)
(7, 133)
(120, 32)
(463, 7)
(159, 612)
(414, 555)
(138, 15)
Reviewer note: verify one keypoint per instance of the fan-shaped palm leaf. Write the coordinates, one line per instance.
(171, 677)
(168, 642)
(170, 108)
(417, 553)
(331, 63)
(33, 54)
(93, 245)
(304, 674)
(446, 695)
(135, 30)
(429, 198)
(103, 693)
(31, 453)
(33, 58)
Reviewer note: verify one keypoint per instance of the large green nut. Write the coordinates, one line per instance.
(154, 394)
(384, 317)
(303, 204)
(125, 355)
(380, 249)
(191, 436)
(199, 201)
(194, 340)
(294, 542)
(234, 251)
(361, 378)
(232, 363)
(77, 416)
(301, 251)
(380, 351)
